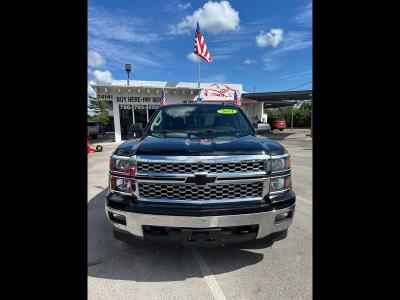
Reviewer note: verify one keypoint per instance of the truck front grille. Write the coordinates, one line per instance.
(200, 192)
(185, 168)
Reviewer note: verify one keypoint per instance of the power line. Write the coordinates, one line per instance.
(299, 86)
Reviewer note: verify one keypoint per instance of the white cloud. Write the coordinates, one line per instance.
(91, 91)
(304, 15)
(248, 61)
(270, 63)
(297, 76)
(118, 54)
(92, 82)
(213, 17)
(193, 57)
(95, 59)
(293, 41)
(118, 26)
(102, 77)
(274, 37)
(184, 6)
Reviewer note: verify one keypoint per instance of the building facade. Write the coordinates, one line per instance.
(135, 103)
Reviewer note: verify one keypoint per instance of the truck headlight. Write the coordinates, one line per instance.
(281, 183)
(120, 165)
(280, 164)
(123, 166)
(119, 184)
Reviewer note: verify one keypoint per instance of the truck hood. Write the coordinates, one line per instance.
(169, 146)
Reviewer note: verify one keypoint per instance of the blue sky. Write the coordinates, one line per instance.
(263, 42)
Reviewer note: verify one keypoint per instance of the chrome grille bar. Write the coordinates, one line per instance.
(195, 192)
(187, 168)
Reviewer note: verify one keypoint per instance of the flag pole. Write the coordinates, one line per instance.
(198, 83)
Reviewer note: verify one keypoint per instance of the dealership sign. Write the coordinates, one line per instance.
(129, 99)
(219, 92)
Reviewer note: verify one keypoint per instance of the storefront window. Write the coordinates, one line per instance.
(134, 114)
(140, 114)
(152, 109)
(126, 119)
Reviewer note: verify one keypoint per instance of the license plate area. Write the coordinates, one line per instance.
(201, 236)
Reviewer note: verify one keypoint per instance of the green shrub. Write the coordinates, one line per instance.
(301, 114)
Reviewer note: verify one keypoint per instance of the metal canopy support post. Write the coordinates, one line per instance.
(311, 117)
(292, 119)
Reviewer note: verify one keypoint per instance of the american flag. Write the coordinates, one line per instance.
(200, 47)
(237, 100)
(162, 99)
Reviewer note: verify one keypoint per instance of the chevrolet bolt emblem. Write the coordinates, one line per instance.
(200, 179)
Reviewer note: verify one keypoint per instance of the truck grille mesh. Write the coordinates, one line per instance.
(182, 168)
(201, 192)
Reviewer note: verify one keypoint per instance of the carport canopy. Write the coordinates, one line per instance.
(278, 99)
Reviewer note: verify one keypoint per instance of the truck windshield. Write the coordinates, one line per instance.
(199, 120)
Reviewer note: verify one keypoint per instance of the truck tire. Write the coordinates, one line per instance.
(280, 129)
(99, 148)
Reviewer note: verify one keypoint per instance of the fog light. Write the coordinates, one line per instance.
(282, 216)
(120, 219)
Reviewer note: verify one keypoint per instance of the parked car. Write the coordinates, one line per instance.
(102, 127)
(277, 123)
(262, 127)
(200, 175)
(92, 129)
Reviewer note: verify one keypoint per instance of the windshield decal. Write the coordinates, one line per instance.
(226, 111)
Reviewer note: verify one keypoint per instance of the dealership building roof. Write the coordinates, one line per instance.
(278, 99)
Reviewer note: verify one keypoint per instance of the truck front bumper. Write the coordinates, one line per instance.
(267, 222)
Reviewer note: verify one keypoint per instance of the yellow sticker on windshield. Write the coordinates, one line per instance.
(226, 111)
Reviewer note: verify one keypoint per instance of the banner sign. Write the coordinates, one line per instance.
(129, 99)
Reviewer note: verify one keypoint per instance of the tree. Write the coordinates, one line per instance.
(99, 110)
(301, 114)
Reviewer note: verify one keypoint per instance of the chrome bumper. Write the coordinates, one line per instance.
(265, 220)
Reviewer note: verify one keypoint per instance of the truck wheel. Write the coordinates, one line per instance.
(280, 129)
(99, 148)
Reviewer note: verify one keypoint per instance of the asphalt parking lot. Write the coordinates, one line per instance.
(282, 271)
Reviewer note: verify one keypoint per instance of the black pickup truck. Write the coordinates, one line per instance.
(200, 175)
